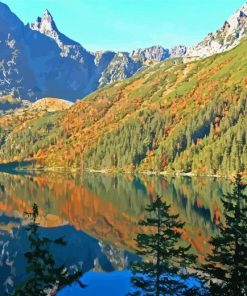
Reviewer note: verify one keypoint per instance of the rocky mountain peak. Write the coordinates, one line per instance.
(237, 21)
(46, 25)
(47, 13)
(244, 8)
(177, 51)
(225, 38)
(156, 53)
(29, 60)
(47, 22)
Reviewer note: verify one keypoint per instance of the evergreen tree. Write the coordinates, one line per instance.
(226, 266)
(45, 276)
(163, 268)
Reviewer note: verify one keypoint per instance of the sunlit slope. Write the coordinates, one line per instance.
(174, 116)
(42, 116)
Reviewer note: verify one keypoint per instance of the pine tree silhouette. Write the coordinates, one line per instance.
(45, 277)
(162, 270)
(226, 267)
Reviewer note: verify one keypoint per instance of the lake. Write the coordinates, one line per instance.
(98, 216)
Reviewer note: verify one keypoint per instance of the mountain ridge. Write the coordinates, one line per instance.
(47, 26)
(27, 66)
(225, 38)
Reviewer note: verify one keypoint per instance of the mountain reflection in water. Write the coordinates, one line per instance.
(98, 215)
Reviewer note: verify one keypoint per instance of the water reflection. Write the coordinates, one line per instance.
(98, 214)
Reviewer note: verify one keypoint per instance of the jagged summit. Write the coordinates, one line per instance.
(38, 61)
(225, 38)
(159, 53)
(47, 26)
(47, 12)
(237, 21)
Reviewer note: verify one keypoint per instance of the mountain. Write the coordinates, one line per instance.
(27, 66)
(15, 71)
(121, 67)
(225, 38)
(172, 117)
(33, 54)
(46, 25)
(37, 60)
(159, 53)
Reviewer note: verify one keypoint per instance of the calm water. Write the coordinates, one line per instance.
(98, 215)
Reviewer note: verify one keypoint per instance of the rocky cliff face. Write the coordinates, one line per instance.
(121, 67)
(33, 65)
(225, 38)
(15, 71)
(159, 53)
(37, 60)
(47, 26)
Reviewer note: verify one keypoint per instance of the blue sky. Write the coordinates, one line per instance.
(129, 24)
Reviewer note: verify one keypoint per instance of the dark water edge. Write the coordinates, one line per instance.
(32, 166)
(17, 167)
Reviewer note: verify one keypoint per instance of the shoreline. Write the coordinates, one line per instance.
(116, 172)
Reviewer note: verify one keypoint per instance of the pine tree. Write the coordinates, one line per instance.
(226, 267)
(164, 257)
(45, 276)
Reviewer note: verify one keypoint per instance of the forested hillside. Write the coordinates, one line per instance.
(174, 116)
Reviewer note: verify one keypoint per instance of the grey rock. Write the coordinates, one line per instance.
(227, 37)
(37, 60)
